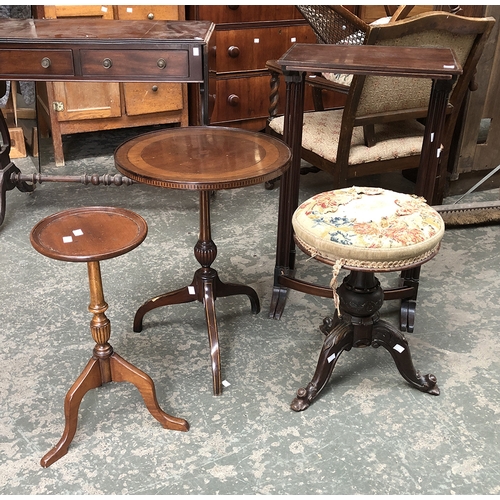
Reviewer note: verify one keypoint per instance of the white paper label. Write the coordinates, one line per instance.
(196, 51)
(78, 232)
(191, 290)
(225, 383)
(331, 358)
(67, 239)
(399, 348)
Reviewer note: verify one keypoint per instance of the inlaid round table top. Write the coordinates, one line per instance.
(202, 158)
(88, 234)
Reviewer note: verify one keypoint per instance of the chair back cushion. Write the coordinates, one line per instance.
(382, 94)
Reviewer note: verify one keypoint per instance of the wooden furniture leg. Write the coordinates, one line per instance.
(105, 366)
(289, 193)
(361, 298)
(206, 287)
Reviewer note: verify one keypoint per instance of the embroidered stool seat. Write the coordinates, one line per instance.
(365, 230)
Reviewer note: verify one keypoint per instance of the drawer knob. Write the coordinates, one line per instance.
(154, 88)
(233, 100)
(45, 62)
(161, 63)
(233, 51)
(151, 16)
(107, 63)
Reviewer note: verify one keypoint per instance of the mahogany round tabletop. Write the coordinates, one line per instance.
(202, 158)
(88, 234)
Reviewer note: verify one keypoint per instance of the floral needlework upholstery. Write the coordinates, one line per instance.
(368, 228)
(321, 130)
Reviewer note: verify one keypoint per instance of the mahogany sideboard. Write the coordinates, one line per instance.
(94, 50)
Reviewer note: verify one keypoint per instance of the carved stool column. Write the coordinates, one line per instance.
(91, 235)
(366, 230)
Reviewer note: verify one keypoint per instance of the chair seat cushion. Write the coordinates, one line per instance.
(368, 228)
(321, 130)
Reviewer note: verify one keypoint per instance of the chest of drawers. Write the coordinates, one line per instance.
(246, 37)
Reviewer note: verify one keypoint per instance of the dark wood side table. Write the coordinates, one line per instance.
(438, 64)
(203, 159)
(92, 234)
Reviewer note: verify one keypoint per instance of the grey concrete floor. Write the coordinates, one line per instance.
(369, 432)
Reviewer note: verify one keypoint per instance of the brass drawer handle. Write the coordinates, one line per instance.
(45, 62)
(161, 63)
(154, 88)
(151, 16)
(233, 51)
(107, 63)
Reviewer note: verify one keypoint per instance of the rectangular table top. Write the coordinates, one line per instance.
(89, 31)
(372, 59)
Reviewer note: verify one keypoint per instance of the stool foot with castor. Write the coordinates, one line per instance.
(91, 235)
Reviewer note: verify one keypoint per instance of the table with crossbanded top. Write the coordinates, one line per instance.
(203, 159)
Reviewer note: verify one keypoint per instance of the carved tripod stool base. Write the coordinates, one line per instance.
(90, 235)
(361, 297)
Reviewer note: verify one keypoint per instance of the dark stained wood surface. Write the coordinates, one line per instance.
(202, 158)
(87, 30)
(104, 50)
(88, 234)
(366, 59)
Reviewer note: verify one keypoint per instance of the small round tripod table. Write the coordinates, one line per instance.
(90, 235)
(203, 159)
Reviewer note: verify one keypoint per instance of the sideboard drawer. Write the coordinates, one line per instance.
(135, 63)
(249, 49)
(36, 62)
(241, 98)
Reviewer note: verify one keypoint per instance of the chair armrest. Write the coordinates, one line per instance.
(319, 81)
